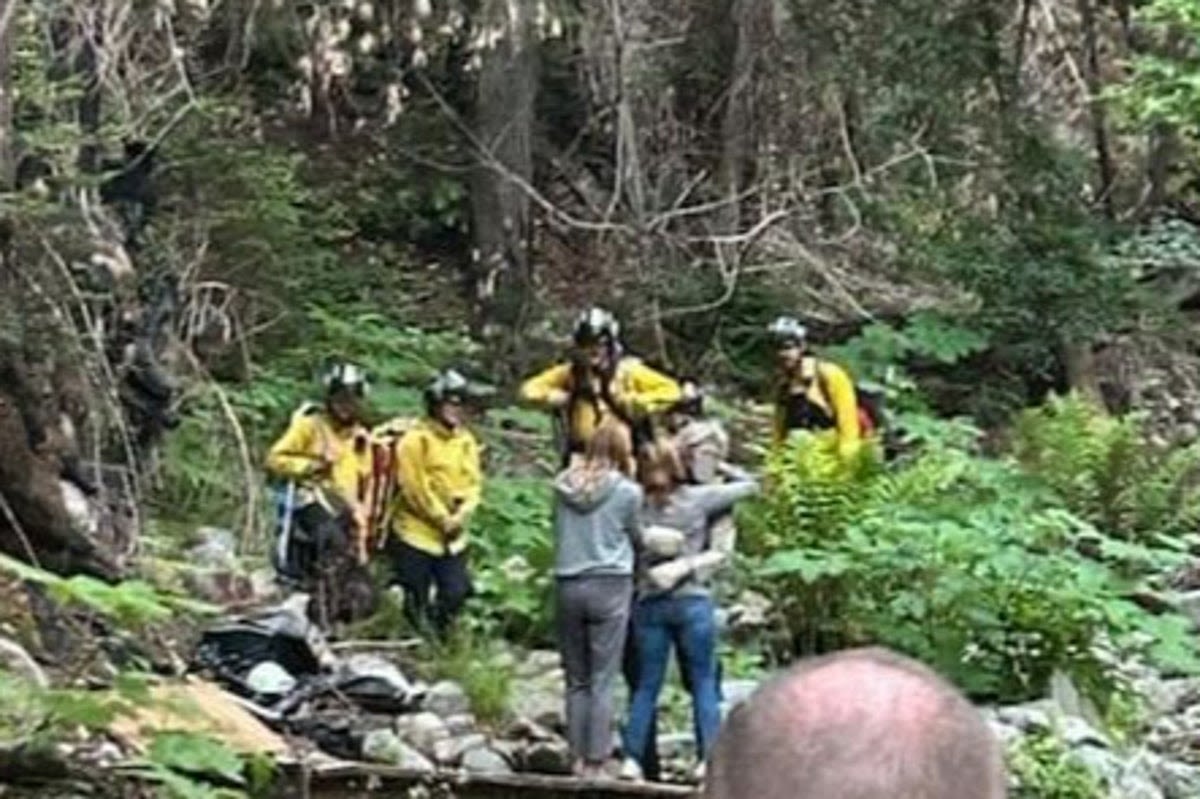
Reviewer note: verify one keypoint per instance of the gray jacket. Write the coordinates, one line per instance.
(690, 509)
(596, 522)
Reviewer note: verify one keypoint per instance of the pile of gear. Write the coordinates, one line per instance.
(281, 668)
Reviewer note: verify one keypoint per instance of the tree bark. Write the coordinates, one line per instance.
(1104, 164)
(503, 121)
(7, 22)
(753, 21)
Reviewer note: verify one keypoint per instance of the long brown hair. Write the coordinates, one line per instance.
(660, 456)
(611, 447)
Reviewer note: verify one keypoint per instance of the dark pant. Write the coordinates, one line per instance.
(417, 572)
(318, 535)
(687, 624)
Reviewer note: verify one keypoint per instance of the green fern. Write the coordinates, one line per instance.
(1104, 469)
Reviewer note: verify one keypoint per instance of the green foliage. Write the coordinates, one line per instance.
(1163, 86)
(1104, 470)
(472, 659)
(513, 561)
(966, 563)
(177, 759)
(1044, 770)
(131, 604)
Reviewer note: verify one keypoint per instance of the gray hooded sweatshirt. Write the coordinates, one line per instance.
(597, 520)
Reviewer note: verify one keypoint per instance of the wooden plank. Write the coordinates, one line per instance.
(354, 780)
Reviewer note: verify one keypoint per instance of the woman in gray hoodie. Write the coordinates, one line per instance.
(596, 525)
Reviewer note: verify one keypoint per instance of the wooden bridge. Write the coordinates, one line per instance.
(356, 780)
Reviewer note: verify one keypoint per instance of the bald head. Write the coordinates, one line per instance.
(861, 724)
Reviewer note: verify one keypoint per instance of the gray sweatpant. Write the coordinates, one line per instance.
(593, 616)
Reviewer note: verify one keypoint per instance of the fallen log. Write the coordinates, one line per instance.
(342, 780)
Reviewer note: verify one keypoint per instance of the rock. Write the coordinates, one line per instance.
(460, 724)
(541, 699)
(263, 586)
(1170, 696)
(1100, 762)
(15, 660)
(677, 746)
(1077, 732)
(216, 548)
(1030, 717)
(450, 751)
(538, 662)
(218, 586)
(1071, 702)
(549, 757)
(1136, 781)
(1188, 604)
(528, 730)
(446, 699)
(422, 730)
(1006, 734)
(512, 751)
(384, 746)
(1177, 780)
(485, 760)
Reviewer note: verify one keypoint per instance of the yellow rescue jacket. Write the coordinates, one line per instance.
(637, 388)
(830, 388)
(435, 468)
(312, 437)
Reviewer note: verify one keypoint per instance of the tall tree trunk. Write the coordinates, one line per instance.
(7, 23)
(89, 103)
(1104, 164)
(500, 209)
(753, 21)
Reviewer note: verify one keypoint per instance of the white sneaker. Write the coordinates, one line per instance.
(630, 771)
(698, 773)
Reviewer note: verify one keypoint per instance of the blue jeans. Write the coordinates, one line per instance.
(689, 624)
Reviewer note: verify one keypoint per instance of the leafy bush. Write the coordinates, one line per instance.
(1104, 470)
(1044, 770)
(513, 560)
(965, 563)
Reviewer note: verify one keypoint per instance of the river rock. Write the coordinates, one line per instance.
(1029, 717)
(548, 757)
(538, 662)
(422, 730)
(485, 760)
(460, 724)
(528, 730)
(447, 698)
(541, 700)
(450, 751)
(1188, 604)
(384, 746)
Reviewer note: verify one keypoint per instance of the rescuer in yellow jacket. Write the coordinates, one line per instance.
(811, 393)
(325, 458)
(440, 480)
(599, 381)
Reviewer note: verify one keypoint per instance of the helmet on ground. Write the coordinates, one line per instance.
(447, 385)
(345, 377)
(788, 330)
(596, 325)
